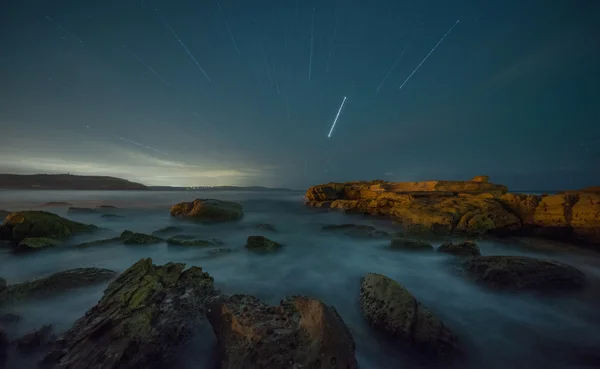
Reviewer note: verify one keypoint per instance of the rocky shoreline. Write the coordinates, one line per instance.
(474, 207)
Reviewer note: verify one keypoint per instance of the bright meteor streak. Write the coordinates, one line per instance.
(336, 117)
(432, 50)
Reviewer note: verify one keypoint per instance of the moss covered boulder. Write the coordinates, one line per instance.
(262, 244)
(144, 316)
(466, 248)
(299, 333)
(55, 284)
(36, 243)
(133, 238)
(391, 308)
(520, 273)
(208, 210)
(408, 244)
(41, 224)
(356, 230)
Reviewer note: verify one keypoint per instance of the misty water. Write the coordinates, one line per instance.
(500, 330)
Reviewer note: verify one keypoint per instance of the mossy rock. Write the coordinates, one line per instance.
(99, 242)
(262, 244)
(466, 248)
(208, 210)
(56, 283)
(183, 240)
(42, 224)
(36, 243)
(169, 229)
(133, 238)
(408, 244)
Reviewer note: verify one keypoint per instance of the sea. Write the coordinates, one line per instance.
(499, 330)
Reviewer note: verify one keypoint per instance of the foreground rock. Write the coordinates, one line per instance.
(355, 230)
(56, 283)
(391, 308)
(262, 244)
(37, 339)
(134, 238)
(466, 248)
(472, 207)
(407, 244)
(143, 317)
(208, 210)
(520, 273)
(40, 224)
(300, 333)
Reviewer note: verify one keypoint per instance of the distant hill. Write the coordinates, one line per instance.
(217, 188)
(66, 182)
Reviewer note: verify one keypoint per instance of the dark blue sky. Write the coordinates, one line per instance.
(105, 87)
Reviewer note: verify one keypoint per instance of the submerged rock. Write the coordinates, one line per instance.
(266, 227)
(466, 248)
(299, 333)
(407, 244)
(133, 238)
(37, 339)
(262, 244)
(169, 229)
(521, 273)
(143, 317)
(389, 307)
(192, 241)
(219, 251)
(208, 210)
(41, 224)
(356, 230)
(56, 283)
(99, 242)
(36, 243)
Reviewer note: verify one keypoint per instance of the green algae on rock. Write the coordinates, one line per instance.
(56, 283)
(521, 273)
(299, 333)
(183, 240)
(390, 307)
(466, 248)
(41, 224)
(408, 244)
(208, 210)
(133, 238)
(144, 316)
(262, 244)
(36, 243)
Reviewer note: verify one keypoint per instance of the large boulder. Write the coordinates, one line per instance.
(520, 273)
(299, 333)
(262, 244)
(143, 317)
(41, 224)
(391, 308)
(466, 248)
(208, 210)
(55, 284)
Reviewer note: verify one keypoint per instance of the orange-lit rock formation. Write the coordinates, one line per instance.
(476, 206)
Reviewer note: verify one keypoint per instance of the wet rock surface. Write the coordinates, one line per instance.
(36, 243)
(55, 283)
(40, 224)
(262, 244)
(134, 238)
(391, 308)
(356, 230)
(520, 273)
(466, 248)
(144, 316)
(299, 333)
(208, 210)
(187, 240)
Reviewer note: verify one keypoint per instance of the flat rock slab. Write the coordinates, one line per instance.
(299, 333)
(208, 210)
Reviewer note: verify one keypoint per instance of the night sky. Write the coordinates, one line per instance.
(240, 92)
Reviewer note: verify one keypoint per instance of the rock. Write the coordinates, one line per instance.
(2, 284)
(3, 214)
(99, 242)
(132, 238)
(185, 241)
(389, 307)
(520, 273)
(408, 244)
(56, 283)
(219, 251)
(56, 203)
(208, 210)
(78, 210)
(36, 243)
(262, 244)
(266, 227)
(299, 333)
(9, 318)
(169, 229)
(145, 315)
(466, 248)
(355, 230)
(37, 339)
(41, 224)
